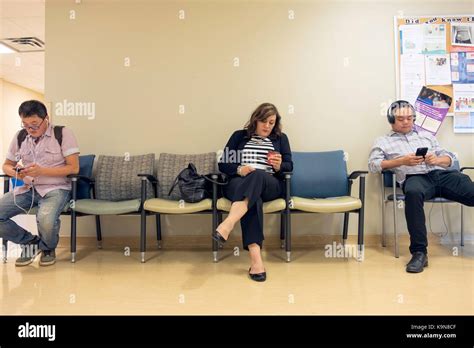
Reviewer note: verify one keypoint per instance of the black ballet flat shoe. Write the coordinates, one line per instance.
(218, 238)
(258, 277)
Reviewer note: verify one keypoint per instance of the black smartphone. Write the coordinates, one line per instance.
(421, 151)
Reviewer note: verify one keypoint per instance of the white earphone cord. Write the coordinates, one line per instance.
(14, 194)
(32, 187)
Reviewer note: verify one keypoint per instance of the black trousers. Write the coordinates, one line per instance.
(449, 184)
(258, 186)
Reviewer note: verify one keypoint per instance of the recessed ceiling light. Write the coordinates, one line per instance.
(5, 49)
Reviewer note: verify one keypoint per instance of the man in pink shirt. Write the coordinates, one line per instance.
(43, 160)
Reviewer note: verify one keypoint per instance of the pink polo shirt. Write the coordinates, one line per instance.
(47, 153)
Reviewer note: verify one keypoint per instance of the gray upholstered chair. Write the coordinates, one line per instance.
(116, 187)
(169, 166)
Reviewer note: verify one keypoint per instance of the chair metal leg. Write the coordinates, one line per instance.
(73, 220)
(219, 221)
(143, 236)
(216, 217)
(384, 242)
(462, 225)
(345, 227)
(158, 230)
(4, 250)
(360, 236)
(360, 252)
(395, 234)
(98, 231)
(288, 236)
(282, 230)
(73, 235)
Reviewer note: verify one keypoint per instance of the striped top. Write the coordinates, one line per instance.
(255, 152)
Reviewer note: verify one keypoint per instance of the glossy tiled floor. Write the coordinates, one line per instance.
(177, 281)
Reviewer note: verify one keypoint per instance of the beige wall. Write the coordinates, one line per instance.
(2, 122)
(190, 62)
(11, 96)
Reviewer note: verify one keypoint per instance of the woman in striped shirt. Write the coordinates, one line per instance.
(255, 158)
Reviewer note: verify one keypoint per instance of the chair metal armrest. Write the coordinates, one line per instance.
(151, 178)
(463, 168)
(354, 175)
(154, 183)
(76, 177)
(361, 175)
(357, 173)
(6, 182)
(287, 176)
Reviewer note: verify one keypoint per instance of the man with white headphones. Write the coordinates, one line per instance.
(422, 177)
(42, 156)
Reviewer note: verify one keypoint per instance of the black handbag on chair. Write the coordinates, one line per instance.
(193, 186)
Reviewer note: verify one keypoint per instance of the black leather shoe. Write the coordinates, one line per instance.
(218, 238)
(258, 277)
(419, 260)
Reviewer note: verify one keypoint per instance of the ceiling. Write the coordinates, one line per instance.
(20, 18)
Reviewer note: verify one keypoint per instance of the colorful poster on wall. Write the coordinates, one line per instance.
(434, 39)
(463, 122)
(411, 38)
(425, 39)
(462, 34)
(431, 110)
(438, 69)
(463, 97)
(462, 67)
(412, 72)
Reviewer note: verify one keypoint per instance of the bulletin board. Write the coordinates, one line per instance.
(436, 54)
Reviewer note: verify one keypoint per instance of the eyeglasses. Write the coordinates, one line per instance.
(32, 127)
